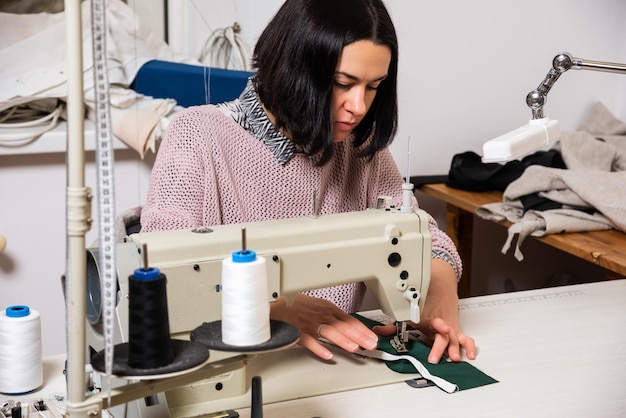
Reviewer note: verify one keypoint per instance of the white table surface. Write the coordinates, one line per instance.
(556, 352)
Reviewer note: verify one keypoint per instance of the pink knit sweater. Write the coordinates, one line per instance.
(210, 171)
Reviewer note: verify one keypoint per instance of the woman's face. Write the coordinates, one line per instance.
(362, 66)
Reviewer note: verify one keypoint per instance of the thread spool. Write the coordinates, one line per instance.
(245, 306)
(150, 350)
(148, 320)
(21, 366)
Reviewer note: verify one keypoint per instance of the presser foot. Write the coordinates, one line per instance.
(398, 345)
(398, 342)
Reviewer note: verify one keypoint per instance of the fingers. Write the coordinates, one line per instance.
(440, 333)
(350, 335)
(457, 341)
(385, 330)
(447, 341)
(315, 347)
(439, 336)
(317, 318)
(453, 343)
(470, 346)
(454, 350)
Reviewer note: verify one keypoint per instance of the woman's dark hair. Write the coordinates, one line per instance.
(295, 60)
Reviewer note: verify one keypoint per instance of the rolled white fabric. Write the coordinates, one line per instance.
(245, 305)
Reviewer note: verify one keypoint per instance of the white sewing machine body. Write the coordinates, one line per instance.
(388, 249)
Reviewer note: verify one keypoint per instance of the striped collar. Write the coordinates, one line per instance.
(249, 114)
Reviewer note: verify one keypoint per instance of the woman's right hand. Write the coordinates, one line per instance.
(316, 318)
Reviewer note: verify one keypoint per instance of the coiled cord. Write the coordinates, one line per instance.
(40, 118)
(224, 48)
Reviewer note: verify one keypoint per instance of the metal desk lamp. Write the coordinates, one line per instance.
(540, 130)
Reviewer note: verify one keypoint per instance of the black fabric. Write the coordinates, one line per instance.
(551, 158)
(468, 172)
(418, 181)
(535, 202)
(133, 227)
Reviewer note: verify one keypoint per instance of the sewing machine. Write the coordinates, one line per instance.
(388, 249)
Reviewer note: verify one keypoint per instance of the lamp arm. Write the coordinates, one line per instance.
(561, 63)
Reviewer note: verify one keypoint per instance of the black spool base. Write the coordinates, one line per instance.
(282, 333)
(187, 355)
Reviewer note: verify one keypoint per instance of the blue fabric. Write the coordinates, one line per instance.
(185, 83)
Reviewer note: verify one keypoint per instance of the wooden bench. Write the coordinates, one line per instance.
(606, 249)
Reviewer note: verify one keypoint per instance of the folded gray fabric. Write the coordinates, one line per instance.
(581, 150)
(601, 124)
(592, 190)
(600, 121)
(604, 191)
(555, 221)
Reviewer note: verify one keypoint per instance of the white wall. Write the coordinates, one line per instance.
(465, 66)
(465, 70)
(32, 218)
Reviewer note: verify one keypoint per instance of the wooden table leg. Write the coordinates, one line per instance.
(460, 228)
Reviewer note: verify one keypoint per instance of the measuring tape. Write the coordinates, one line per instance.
(106, 186)
(518, 299)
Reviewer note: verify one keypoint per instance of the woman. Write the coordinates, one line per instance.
(317, 116)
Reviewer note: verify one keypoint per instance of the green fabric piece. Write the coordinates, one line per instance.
(463, 374)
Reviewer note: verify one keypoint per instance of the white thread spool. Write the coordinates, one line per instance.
(21, 366)
(245, 305)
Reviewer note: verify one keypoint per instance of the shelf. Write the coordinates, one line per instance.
(54, 141)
